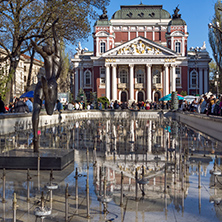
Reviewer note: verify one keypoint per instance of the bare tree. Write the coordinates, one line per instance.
(23, 20)
(215, 39)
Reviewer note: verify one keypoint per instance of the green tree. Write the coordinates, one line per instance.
(23, 20)
(103, 100)
(215, 39)
(64, 79)
(183, 93)
(81, 96)
(213, 71)
(4, 79)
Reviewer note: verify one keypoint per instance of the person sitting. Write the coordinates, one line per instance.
(20, 106)
(29, 104)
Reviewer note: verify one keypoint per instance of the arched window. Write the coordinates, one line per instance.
(178, 47)
(123, 76)
(140, 76)
(87, 77)
(156, 77)
(102, 47)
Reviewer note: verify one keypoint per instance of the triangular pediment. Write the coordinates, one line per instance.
(140, 46)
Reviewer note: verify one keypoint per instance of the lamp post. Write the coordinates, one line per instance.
(216, 82)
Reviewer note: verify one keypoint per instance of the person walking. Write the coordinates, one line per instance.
(59, 106)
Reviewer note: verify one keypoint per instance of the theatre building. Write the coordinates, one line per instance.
(141, 53)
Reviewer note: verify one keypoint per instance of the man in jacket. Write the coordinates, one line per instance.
(20, 106)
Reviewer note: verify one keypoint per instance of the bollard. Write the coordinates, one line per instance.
(199, 174)
(3, 187)
(87, 198)
(100, 181)
(94, 156)
(175, 172)
(136, 178)
(51, 179)
(28, 188)
(77, 198)
(165, 179)
(14, 206)
(182, 183)
(38, 167)
(87, 157)
(38, 172)
(104, 195)
(67, 203)
(121, 192)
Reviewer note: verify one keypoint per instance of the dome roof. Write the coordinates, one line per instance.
(102, 22)
(177, 21)
(141, 12)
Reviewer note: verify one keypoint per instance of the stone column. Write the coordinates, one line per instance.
(107, 81)
(206, 80)
(131, 82)
(148, 82)
(76, 82)
(200, 81)
(166, 80)
(183, 46)
(81, 77)
(114, 82)
(173, 79)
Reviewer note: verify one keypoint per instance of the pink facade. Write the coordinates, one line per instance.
(141, 56)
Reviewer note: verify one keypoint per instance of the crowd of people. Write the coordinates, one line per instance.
(205, 105)
(18, 106)
(115, 105)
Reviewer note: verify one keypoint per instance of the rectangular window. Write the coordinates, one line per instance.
(178, 83)
(177, 70)
(24, 78)
(178, 77)
(102, 75)
(24, 68)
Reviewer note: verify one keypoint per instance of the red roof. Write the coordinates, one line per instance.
(28, 57)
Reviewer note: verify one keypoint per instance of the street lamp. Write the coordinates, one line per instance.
(196, 51)
(216, 82)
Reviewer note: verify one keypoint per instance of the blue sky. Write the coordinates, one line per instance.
(196, 13)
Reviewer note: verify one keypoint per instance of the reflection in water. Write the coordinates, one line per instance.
(157, 157)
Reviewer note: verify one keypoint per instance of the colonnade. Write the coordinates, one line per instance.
(168, 84)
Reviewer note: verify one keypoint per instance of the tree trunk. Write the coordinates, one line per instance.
(13, 65)
(30, 70)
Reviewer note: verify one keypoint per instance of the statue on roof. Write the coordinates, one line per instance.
(104, 15)
(80, 50)
(176, 14)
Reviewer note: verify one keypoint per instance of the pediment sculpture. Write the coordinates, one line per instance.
(139, 48)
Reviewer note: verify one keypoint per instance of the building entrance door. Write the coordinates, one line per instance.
(123, 97)
(140, 96)
(157, 96)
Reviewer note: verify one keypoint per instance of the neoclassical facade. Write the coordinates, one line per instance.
(141, 54)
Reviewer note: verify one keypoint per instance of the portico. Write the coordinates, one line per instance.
(141, 56)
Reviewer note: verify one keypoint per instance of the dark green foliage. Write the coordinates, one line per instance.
(103, 100)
